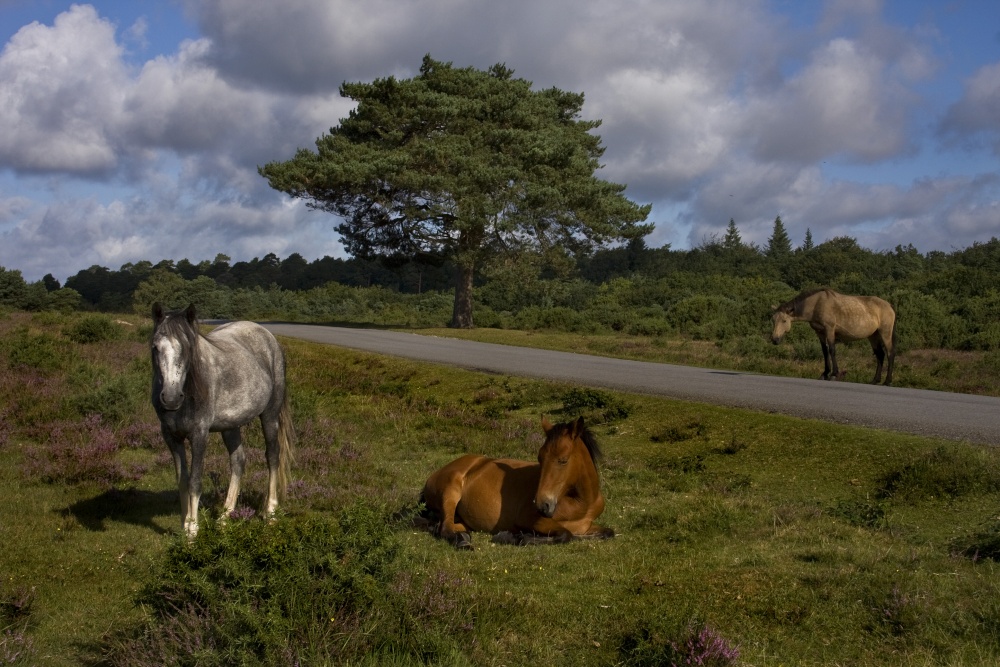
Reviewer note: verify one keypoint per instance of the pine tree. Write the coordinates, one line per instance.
(779, 245)
(732, 239)
(462, 165)
(808, 243)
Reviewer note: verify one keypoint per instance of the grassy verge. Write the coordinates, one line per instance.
(799, 356)
(786, 541)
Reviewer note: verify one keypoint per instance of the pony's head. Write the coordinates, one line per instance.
(781, 320)
(175, 337)
(570, 452)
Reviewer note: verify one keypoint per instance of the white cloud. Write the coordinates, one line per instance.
(60, 95)
(841, 103)
(712, 110)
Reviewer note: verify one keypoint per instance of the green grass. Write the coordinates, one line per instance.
(800, 542)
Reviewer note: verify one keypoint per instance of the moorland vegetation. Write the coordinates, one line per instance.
(743, 538)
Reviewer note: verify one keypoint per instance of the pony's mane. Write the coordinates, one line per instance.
(794, 305)
(589, 439)
(175, 325)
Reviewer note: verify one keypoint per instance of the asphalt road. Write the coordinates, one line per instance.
(918, 411)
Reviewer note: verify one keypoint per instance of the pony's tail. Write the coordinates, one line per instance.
(286, 440)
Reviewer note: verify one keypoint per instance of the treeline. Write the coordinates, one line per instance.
(722, 290)
(108, 290)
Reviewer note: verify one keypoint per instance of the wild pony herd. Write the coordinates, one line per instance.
(221, 381)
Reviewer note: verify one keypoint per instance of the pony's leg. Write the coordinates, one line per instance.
(554, 530)
(237, 462)
(450, 528)
(194, 483)
(598, 532)
(177, 450)
(826, 359)
(888, 369)
(879, 351)
(273, 454)
(834, 368)
(887, 340)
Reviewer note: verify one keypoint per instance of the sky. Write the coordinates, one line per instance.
(133, 129)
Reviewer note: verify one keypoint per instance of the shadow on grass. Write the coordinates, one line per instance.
(124, 506)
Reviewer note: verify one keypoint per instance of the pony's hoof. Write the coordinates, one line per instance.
(463, 541)
(563, 538)
(505, 537)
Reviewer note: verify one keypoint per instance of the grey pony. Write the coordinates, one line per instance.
(217, 383)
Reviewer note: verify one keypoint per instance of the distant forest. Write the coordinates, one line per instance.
(721, 290)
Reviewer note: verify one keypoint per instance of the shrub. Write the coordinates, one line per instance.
(93, 329)
(650, 326)
(986, 339)
(609, 314)
(559, 318)
(702, 315)
(117, 399)
(595, 405)
(486, 317)
(924, 321)
(43, 352)
(307, 589)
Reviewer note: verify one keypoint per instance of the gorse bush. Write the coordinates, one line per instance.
(595, 405)
(39, 351)
(93, 329)
(120, 397)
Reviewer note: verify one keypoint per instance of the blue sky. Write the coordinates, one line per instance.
(133, 129)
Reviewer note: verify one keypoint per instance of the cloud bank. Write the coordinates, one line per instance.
(711, 110)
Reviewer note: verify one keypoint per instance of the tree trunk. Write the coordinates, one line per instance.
(461, 317)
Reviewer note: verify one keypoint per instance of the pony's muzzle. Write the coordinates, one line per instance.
(171, 403)
(546, 507)
(776, 339)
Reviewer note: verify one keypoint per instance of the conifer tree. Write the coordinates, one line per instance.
(461, 165)
(732, 240)
(779, 245)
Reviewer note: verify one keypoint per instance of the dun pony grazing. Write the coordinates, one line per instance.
(219, 382)
(553, 500)
(841, 318)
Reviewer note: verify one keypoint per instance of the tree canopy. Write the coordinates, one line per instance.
(463, 165)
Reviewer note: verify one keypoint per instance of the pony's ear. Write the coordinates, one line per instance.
(578, 427)
(190, 314)
(157, 312)
(546, 424)
(774, 307)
